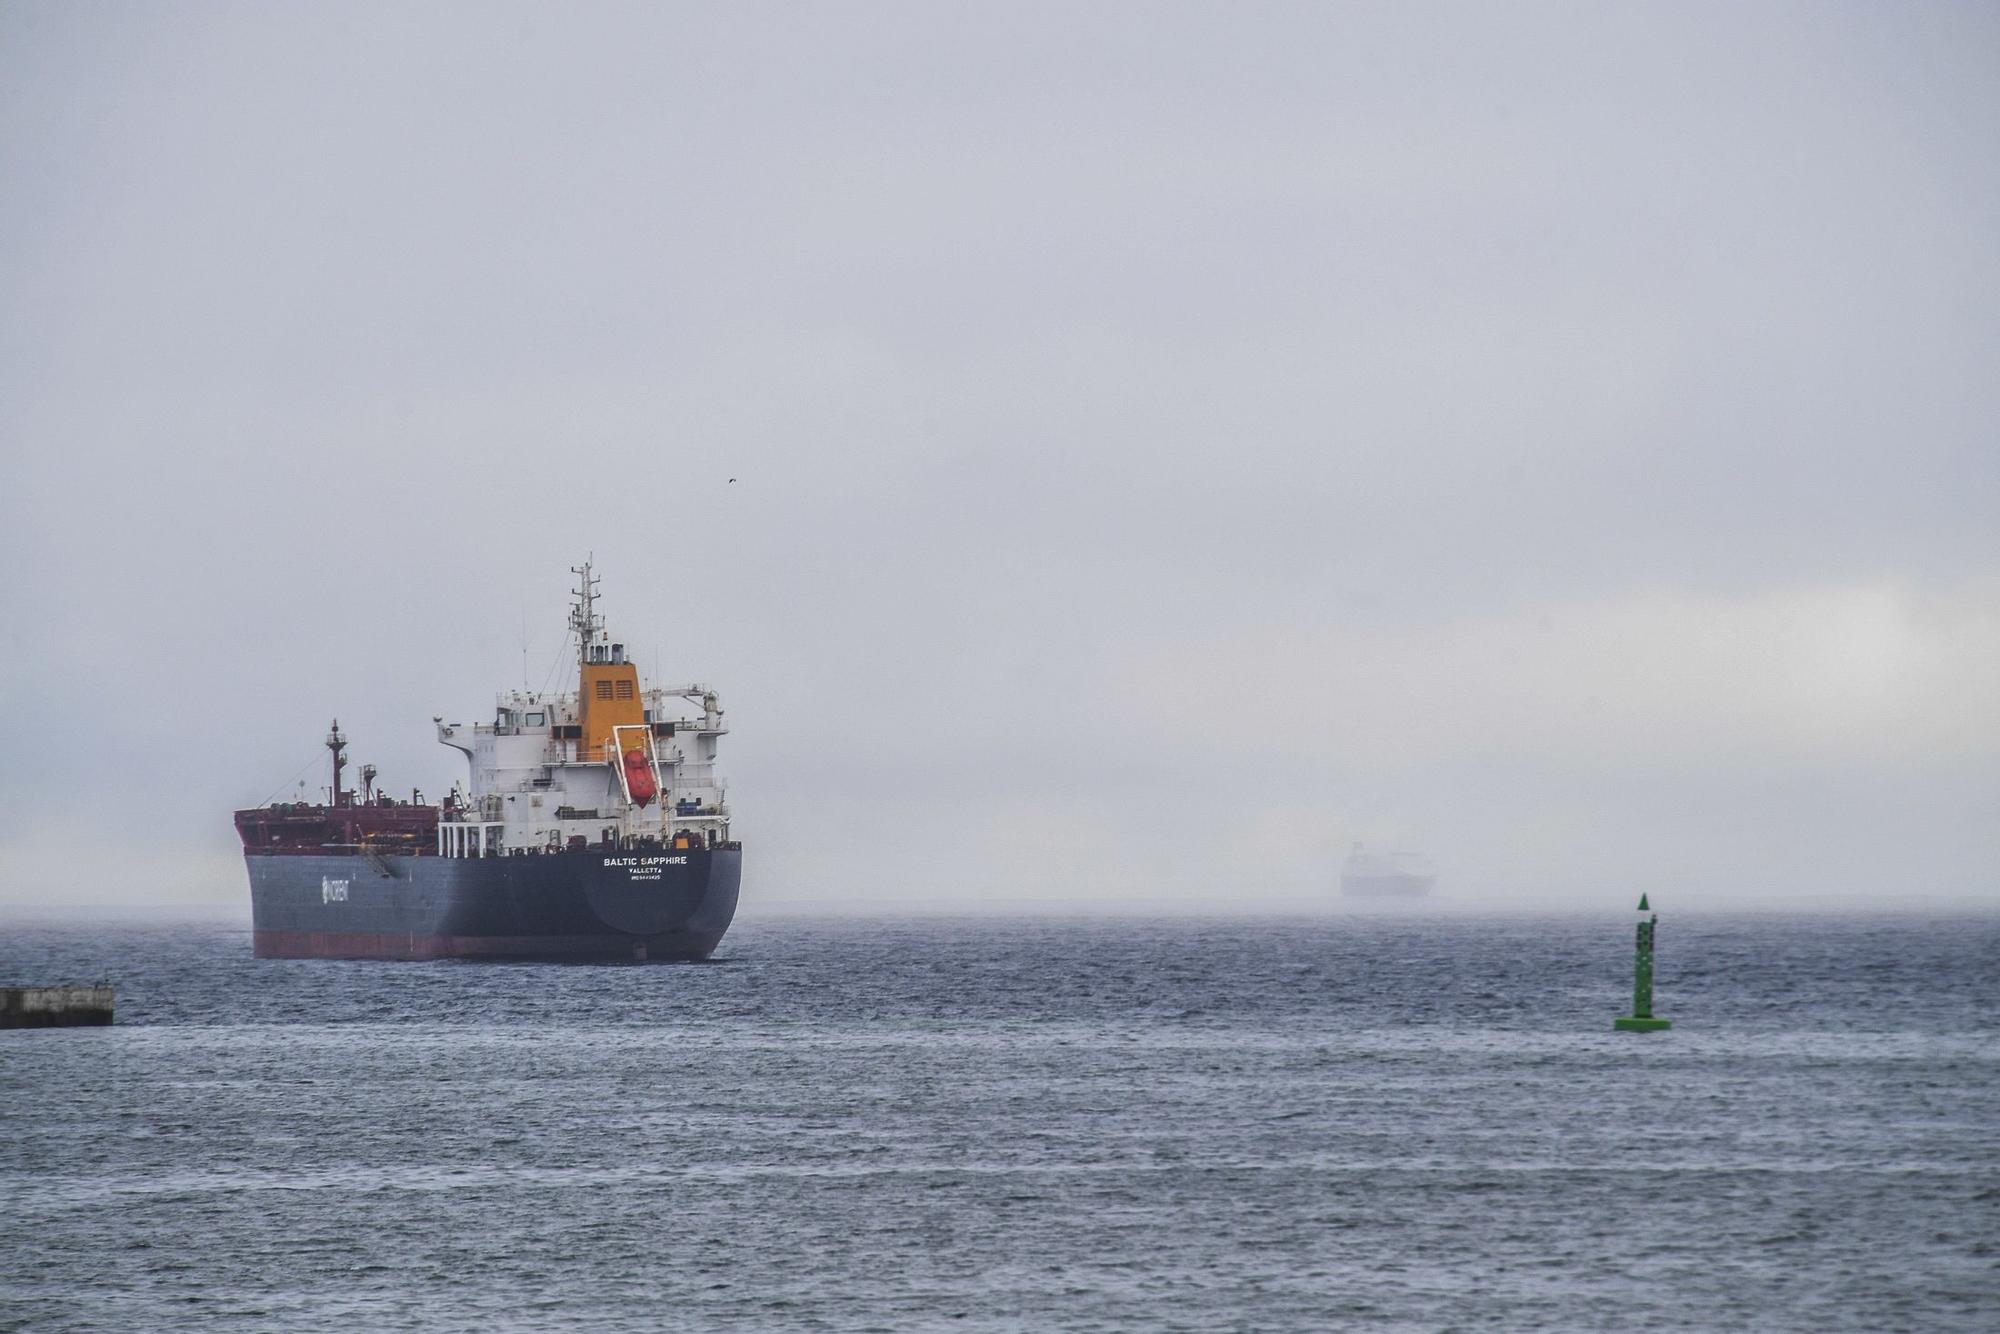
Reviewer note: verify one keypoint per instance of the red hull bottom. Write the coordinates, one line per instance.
(669, 948)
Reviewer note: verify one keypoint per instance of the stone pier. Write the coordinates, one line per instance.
(54, 1007)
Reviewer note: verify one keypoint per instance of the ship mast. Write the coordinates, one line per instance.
(583, 617)
(337, 743)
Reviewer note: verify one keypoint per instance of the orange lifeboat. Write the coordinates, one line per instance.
(639, 777)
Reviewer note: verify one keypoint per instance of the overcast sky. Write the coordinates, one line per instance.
(1172, 442)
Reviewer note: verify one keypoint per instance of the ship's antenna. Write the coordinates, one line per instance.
(583, 617)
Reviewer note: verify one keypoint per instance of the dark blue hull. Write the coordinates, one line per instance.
(594, 906)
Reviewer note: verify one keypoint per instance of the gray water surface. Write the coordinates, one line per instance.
(1370, 1122)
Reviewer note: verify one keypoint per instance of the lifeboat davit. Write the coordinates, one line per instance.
(639, 777)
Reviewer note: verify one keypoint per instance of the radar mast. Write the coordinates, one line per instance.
(583, 617)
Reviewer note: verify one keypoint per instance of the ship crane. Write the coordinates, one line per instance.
(711, 703)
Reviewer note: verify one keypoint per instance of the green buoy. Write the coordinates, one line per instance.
(1642, 1020)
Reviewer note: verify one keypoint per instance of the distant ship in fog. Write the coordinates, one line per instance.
(1386, 875)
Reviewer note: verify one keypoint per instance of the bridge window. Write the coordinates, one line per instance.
(537, 719)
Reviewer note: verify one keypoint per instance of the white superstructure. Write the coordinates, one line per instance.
(554, 768)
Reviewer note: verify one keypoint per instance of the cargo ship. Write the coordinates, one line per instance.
(591, 827)
(1386, 875)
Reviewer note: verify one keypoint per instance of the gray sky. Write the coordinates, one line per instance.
(1173, 441)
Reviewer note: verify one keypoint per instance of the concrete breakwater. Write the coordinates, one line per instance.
(54, 1007)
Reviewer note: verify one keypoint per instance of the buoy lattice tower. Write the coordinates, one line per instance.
(1642, 1019)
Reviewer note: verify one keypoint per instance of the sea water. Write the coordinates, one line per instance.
(1381, 1122)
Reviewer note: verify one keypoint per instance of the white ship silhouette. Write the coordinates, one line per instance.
(1405, 875)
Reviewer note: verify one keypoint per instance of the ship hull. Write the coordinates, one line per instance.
(596, 906)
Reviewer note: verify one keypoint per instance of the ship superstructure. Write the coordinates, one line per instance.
(611, 762)
(592, 825)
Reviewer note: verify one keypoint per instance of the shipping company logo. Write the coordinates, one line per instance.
(331, 890)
